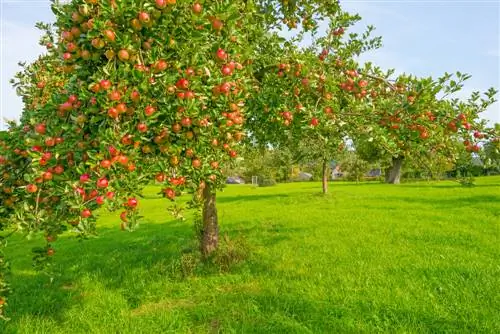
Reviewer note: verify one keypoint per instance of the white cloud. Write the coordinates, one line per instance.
(493, 53)
(18, 43)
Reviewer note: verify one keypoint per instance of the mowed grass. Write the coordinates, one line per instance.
(414, 258)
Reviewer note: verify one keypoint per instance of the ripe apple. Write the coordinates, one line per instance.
(225, 88)
(135, 96)
(123, 55)
(110, 35)
(121, 108)
(197, 8)
(113, 113)
(100, 200)
(161, 65)
(226, 70)
(40, 129)
(221, 54)
(149, 110)
(93, 194)
(105, 164)
(217, 24)
(50, 142)
(182, 84)
(123, 216)
(161, 4)
(160, 177)
(132, 202)
(424, 134)
(31, 188)
(123, 160)
(144, 17)
(196, 163)
(84, 178)
(169, 193)
(58, 170)
(80, 191)
(102, 182)
(86, 213)
(105, 84)
(47, 176)
(186, 122)
(114, 96)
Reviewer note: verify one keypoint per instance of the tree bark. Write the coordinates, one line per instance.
(393, 175)
(210, 228)
(325, 177)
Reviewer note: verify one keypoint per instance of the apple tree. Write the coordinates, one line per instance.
(416, 118)
(133, 92)
(310, 100)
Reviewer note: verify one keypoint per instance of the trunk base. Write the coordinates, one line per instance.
(393, 175)
(325, 177)
(209, 234)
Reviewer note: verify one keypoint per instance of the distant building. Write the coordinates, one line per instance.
(336, 172)
(304, 176)
(374, 172)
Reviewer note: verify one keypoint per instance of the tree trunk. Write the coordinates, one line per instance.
(210, 228)
(325, 177)
(393, 175)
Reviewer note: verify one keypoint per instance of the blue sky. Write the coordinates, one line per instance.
(420, 37)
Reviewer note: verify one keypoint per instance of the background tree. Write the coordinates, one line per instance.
(320, 148)
(312, 94)
(491, 151)
(412, 117)
(354, 167)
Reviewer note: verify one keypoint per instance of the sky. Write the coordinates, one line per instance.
(424, 38)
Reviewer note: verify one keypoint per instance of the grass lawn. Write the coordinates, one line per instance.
(414, 258)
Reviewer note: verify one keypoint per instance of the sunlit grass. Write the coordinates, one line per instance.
(414, 258)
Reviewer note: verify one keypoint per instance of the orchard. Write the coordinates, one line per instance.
(132, 93)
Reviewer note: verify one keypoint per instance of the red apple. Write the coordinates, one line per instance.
(132, 202)
(86, 213)
(102, 182)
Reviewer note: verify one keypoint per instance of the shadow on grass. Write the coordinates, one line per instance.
(123, 262)
(454, 203)
(444, 185)
(230, 199)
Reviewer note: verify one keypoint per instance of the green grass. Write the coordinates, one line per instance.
(414, 258)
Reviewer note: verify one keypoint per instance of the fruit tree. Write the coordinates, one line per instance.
(312, 95)
(414, 118)
(132, 92)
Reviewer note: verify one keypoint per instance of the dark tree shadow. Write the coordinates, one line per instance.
(451, 203)
(230, 199)
(113, 257)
